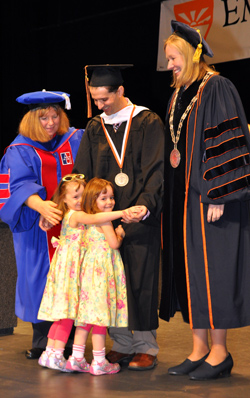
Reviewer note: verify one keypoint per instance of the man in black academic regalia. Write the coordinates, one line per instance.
(125, 145)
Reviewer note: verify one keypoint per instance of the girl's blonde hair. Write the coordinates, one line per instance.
(61, 190)
(192, 71)
(93, 189)
(31, 127)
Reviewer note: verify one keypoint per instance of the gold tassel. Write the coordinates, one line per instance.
(89, 109)
(198, 51)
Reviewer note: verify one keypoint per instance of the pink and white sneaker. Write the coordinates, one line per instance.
(77, 366)
(58, 363)
(43, 359)
(103, 368)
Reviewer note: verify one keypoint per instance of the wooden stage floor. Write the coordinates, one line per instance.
(23, 378)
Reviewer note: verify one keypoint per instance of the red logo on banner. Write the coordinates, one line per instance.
(198, 14)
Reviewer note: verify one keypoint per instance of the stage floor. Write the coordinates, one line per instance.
(23, 378)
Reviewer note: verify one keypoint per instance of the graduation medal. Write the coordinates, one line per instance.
(121, 179)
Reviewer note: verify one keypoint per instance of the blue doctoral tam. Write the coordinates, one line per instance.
(41, 98)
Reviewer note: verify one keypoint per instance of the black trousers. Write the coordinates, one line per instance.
(40, 333)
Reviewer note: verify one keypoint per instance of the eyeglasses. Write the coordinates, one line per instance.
(71, 177)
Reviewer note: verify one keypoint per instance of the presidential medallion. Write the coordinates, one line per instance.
(175, 158)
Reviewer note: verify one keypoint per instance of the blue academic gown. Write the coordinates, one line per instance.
(28, 168)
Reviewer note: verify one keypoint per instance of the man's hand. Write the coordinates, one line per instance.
(134, 214)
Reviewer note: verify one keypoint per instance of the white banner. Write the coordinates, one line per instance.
(224, 24)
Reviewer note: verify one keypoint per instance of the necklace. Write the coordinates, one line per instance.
(175, 156)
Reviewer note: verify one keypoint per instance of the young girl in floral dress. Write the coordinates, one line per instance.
(103, 297)
(61, 294)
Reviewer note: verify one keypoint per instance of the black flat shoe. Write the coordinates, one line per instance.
(186, 367)
(209, 372)
(34, 353)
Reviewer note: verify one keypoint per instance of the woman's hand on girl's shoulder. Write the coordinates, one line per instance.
(48, 210)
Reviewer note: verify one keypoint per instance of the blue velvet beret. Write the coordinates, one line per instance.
(191, 36)
(41, 98)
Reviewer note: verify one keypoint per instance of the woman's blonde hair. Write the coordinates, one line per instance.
(61, 190)
(31, 127)
(192, 71)
(93, 189)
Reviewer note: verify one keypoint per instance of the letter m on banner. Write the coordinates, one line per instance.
(224, 24)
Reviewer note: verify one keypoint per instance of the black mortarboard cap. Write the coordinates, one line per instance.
(106, 75)
(103, 75)
(192, 36)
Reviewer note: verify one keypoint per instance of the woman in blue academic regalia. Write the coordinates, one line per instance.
(34, 163)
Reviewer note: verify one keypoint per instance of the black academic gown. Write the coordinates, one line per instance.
(143, 164)
(216, 255)
(174, 291)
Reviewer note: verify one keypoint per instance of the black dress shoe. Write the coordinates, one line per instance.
(209, 372)
(34, 353)
(186, 367)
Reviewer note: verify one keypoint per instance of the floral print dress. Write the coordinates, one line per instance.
(103, 296)
(61, 293)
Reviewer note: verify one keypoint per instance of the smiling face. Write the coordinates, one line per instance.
(106, 200)
(175, 60)
(108, 102)
(73, 196)
(50, 122)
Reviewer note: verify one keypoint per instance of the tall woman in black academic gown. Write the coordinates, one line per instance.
(206, 225)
